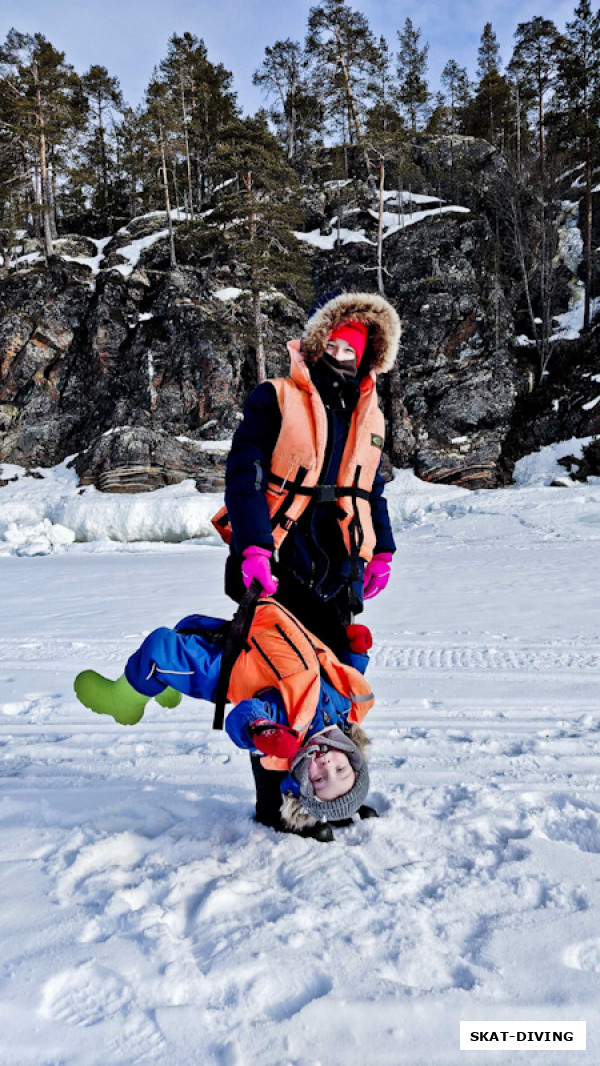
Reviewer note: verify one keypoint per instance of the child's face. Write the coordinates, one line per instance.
(340, 350)
(331, 774)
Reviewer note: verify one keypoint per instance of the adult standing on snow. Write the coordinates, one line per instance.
(304, 506)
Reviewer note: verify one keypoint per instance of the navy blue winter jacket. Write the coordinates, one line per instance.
(313, 553)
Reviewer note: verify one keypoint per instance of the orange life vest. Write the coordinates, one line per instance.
(299, 454)
(280, 653)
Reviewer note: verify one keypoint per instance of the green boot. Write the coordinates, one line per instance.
(116, 698)
(170, 698)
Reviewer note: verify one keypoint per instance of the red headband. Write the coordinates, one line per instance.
(355, 334)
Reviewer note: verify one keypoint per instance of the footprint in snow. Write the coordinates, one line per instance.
(584, 956)
(91, 994)
(85, 995)
(575, 824)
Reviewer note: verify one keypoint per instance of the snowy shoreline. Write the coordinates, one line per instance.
(50, 513)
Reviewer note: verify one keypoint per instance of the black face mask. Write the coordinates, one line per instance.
(345, 370)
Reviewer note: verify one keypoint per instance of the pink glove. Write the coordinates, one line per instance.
(377, 574)
(256, 564)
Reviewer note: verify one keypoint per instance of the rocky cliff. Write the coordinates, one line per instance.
(140, 371)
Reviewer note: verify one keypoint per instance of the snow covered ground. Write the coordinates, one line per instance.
(145, 918)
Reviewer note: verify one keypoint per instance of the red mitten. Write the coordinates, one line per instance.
(273, 739)
(359, 639)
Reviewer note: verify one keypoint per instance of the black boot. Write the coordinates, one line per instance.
(320, 831)
(367, 812)
(268, 794)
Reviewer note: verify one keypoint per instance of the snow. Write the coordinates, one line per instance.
(391, 218)
(224, 184)
(411, 197)
(144, 917)
(131, 252)
(390, 226)
(28, 259)
(328, 242)
(570, 323)
(222, 446)
(177, 214)
(35, 512)
(93, 262)
(231, 293)
(591, 404)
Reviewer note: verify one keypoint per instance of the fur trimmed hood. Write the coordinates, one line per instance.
(367, 307)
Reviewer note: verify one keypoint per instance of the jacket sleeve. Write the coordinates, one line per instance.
(384, 540)
(248, 467)
(241, 717)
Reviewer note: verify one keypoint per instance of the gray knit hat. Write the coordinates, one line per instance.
(294, 808)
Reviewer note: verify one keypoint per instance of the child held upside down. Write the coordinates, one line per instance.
(297, 709)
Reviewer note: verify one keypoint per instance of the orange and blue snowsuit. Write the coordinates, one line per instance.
(283, 673)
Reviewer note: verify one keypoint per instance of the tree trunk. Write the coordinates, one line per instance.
(353, 110)
(518, 133)
(380, 287)
(261, 369)
(188, 161)
(165, 178)
(103, 162)
(588, 233)
(44, 177)
(54, 209)
(36, 199)
(292, 135)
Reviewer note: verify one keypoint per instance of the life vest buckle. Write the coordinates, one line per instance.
(325, 493)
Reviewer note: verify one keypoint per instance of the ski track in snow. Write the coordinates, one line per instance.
(147, 919)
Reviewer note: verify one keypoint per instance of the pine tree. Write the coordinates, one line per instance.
(488, 113)
(161, 119)
(103, 97)
(133, 154)
(413, 90)
(201, 103)
(344, 55)
(489, 60)
(576, 117)
(256, 215)
(42, 111)
(15, 183)
(455, 81)
(533, 68)
(281, 75)
(178, 72)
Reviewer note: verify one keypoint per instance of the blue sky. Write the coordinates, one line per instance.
(130, 36)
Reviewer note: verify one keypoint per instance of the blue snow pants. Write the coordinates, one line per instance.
(184, 661)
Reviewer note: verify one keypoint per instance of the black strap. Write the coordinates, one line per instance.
(280, 516)
(236, 639)
(322, 493)
(357, 524)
